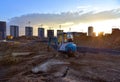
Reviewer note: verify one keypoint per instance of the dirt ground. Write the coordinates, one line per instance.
(85, 67)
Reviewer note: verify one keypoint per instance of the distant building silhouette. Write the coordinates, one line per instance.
(41, 33)
(29, 31)
(82, 34)
(90, 31)
(100, 34)
(2, 30)
(14, 31)
(50, 33)
(107, 35)
(79, 34)
(115, 31)
(59, 32)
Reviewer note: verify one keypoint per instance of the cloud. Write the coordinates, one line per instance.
(65, 18)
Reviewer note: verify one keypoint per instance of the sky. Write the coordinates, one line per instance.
(103, 15)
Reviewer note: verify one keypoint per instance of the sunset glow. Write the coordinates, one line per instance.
(74, 14)
(99, 26)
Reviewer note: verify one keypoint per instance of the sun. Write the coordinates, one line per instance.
(97, 27)
(103, 26)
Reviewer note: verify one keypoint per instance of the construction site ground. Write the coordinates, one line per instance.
(33, 61)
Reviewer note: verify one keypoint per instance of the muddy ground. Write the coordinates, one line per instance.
(47, 65)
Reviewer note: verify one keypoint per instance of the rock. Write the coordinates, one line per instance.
(48, 65)
(21, 53)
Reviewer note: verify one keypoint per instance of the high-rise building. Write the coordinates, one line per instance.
(60, 36)
(59, 32)
(41, 33)
(90, 31)
(50, 33)
(29, 31)
(14, 31)
(2, 30)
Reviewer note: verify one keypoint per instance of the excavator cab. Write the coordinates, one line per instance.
(68, 45)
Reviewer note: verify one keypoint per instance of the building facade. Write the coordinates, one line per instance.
(50, 33)
(90, 31)
(14, 31)
(41, 32)
(28, 31)
(2, 30)
(59, 32)
(60, 36)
